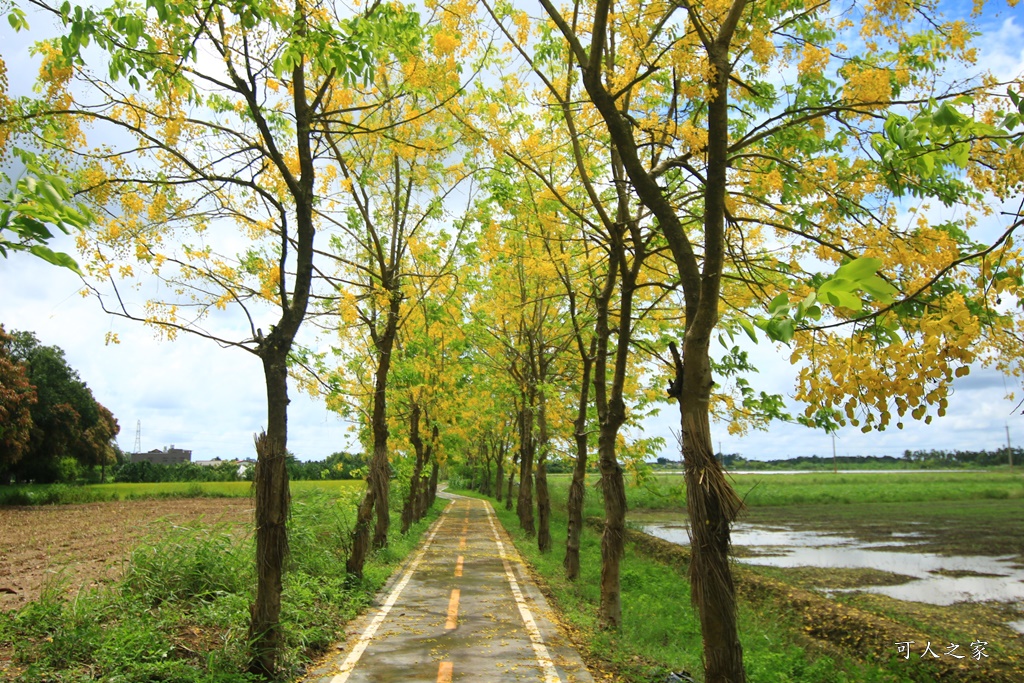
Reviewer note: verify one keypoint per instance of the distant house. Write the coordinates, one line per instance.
(241, 465)
(167, 456)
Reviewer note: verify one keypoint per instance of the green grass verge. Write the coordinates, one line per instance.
(660, 629)
(64, 494)
(180, 613)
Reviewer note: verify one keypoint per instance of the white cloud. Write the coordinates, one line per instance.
(188, 392)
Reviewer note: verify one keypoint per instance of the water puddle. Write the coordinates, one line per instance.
(936, 579)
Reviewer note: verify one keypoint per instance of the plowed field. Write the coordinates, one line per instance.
(79, 546)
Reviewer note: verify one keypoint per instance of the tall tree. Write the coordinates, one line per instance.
(17, 396)
(398, 160)
(205, 178)
(795, 159)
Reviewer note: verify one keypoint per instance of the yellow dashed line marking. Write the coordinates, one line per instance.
(453, 610)
(444, 672)
(458, 567)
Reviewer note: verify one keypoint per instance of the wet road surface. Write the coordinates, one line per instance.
(462, 609)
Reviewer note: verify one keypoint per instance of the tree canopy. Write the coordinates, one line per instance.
(49, 415)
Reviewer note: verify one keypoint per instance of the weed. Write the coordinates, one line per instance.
(190, 564)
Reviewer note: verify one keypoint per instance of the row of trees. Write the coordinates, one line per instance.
(919, 459)
(51, 426)
(511, 232)
(943, 458)
(338, 465)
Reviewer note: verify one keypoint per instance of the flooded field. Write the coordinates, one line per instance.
(955, 567)
(931, 578)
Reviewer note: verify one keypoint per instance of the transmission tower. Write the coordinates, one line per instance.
(138, 437)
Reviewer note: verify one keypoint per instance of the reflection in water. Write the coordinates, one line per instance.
(784, 547)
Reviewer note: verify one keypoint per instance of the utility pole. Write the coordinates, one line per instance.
(138, 437)
(835, 467)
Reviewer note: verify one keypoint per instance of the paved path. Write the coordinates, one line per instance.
(462, 609)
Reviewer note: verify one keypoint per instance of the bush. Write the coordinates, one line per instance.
(189, 564)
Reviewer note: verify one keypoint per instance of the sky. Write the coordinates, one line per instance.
(195, 395)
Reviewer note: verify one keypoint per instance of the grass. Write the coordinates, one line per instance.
(64, 494)
(668, 491)
(660, 630)
(181, 611)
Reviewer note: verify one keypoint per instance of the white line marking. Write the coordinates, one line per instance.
(539, 649)
(364, 640)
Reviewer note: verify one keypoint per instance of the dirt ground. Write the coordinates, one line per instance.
(86, 545)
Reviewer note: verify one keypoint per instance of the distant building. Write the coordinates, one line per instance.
(167, 456)
(212, 463)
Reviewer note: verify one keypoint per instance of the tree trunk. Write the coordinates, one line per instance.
(543, 501)
(412, 501)
(410, 505)
(272, 500)
(712, 505)
(433, 482)
(423, 500)
(524, 506)
(613, 539)
(543, 506)
(577, 487)
(499, 477)
(485, 483)
(378, 480)
(511, 483)
(361, 535)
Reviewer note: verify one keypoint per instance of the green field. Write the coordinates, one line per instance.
(63, 494)
(667, 491)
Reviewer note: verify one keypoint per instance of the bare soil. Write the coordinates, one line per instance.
(83, 546)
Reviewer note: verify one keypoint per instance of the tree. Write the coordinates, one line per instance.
(17, 396)
(719, 154)
(207, 181)
(67, 421)
(397, 158)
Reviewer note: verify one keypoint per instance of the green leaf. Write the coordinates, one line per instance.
(961, 154)
(946, 115)
(16, 18)
(839, 292)
(879, 289)
(57, 258)
(779, 304)
(781, 329)
(859, 268)
(749, 329)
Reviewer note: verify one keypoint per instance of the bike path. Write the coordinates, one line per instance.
(462, 609)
